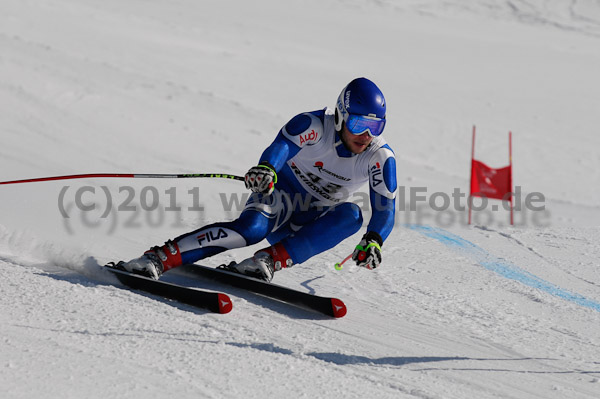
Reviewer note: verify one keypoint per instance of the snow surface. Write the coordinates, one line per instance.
(183, 86)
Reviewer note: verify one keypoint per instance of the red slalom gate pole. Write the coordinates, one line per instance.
(470, 199)
(512, 197)
(127, 175)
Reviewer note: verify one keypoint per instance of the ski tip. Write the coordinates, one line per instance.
(339, 308)
(225, 304)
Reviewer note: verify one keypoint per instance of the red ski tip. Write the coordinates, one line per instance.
(339, 308)
(225, 304)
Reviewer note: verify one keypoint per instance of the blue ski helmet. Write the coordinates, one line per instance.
(361, 106)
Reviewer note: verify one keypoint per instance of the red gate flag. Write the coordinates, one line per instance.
(490, 182)
(493, 183)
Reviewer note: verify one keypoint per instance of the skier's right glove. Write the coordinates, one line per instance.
(261, 178)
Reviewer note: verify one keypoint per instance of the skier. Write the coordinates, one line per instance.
(300, 191)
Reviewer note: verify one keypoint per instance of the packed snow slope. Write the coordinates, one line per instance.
(183, 86)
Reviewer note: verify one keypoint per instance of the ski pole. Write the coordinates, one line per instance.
(340, 265)
(128, 175)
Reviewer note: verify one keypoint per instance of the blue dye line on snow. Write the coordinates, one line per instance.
(502, 267)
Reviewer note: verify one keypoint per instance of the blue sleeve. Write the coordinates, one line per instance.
(383, 206)
(284, 147)
(384, 211)
(279, 152)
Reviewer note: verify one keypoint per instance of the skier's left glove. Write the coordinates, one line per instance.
(261, 178)
(368, 251)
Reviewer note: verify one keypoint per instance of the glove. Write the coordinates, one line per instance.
(261, 178)
(368, 251)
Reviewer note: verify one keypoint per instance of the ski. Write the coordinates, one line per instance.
(327, 305)
(214, 301)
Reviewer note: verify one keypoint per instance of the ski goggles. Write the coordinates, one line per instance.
(358, 124)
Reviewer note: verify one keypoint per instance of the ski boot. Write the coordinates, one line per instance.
(263, 264)
(154, 262)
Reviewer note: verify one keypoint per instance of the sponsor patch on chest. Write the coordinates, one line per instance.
(321, 168)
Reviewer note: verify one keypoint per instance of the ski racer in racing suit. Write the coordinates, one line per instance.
(301, 189)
